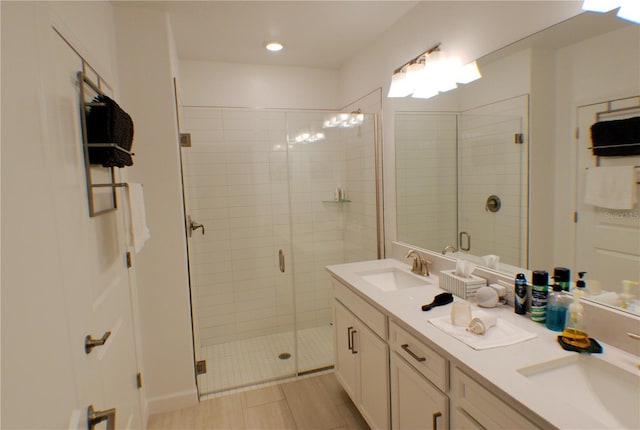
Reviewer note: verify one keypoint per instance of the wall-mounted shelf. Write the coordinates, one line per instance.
(336, 201)
(89, 149)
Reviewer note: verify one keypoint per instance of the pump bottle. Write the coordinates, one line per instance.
(575, 332)
(557, 307)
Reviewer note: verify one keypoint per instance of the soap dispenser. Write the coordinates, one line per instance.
(557, 305)
(580, 283)
(575, 333)
(626, 297)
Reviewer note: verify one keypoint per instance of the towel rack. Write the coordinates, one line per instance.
(635, 167)
(609, 111)
(84, 82)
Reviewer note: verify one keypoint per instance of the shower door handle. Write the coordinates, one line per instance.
(462, 236)
(281, 259)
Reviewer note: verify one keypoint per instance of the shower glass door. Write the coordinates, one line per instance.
(235, 183)
(262, 185)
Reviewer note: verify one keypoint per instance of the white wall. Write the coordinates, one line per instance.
(145, 67)
(205, 83)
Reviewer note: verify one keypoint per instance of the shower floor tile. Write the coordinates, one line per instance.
(253, 361)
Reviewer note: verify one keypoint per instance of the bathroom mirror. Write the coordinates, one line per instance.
(433, 155)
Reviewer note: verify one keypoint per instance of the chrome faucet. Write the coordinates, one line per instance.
(449, 248)
(419, 265)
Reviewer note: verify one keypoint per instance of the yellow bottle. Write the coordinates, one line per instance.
(574, 332)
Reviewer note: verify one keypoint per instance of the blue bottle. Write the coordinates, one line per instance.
(557, 305)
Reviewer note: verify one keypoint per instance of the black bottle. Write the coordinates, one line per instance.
(520, 298)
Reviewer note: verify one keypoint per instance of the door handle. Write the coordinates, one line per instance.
(193, 226)
(96, 417)
(434, 424)
(90, 342)
(281, 259)
(464, 234)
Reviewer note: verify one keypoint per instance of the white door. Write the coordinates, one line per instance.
(607, 240)
(92, 257)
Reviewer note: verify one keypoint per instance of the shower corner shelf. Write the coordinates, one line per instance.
(337, 201)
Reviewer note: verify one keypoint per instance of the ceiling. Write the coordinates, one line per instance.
(319, 34)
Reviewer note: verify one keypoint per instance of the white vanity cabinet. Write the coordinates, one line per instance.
(418, 383)
(475, 407)
(362, 355)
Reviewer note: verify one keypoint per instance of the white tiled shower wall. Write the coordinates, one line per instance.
(491, 163)
(241, 179)
(426, 179)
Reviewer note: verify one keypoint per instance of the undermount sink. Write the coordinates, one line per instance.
(602, 390)
(391, 279)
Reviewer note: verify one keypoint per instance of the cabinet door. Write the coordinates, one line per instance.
(345, 364)
(373, 360)
(415, 403)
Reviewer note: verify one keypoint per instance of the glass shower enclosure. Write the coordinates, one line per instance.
(271, 198)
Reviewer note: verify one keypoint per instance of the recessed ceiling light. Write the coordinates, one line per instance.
(274, 46)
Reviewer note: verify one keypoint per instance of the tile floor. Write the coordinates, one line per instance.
(317, 402)
(252, 361)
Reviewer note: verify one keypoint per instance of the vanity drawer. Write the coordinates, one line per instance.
(424, 359)
(483, 406)
(368, 314)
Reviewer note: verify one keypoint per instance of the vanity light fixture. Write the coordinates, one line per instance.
(274, 46)
(430, 73)
(628, 9)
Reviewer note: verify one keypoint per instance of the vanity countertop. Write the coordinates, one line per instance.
(498, 367)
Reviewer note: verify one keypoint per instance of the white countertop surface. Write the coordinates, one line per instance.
(497, 366)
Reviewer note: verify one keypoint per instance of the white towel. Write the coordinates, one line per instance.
(502, 334)
(612, 187)
(139, 231)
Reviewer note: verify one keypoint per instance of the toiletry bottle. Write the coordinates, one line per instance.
(557, 305)
(520, 297)
(580, 283)
(574, 332)
(539, 294)
(564, 275)
(626, 297)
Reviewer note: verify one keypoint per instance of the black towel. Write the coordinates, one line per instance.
(606, 134)
(108, 123)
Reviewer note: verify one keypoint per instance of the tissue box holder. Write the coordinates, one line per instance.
(464, 288)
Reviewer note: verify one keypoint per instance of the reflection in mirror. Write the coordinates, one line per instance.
(467, 174)
(437, 145)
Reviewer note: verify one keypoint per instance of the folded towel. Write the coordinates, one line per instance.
(108, 123)
(613, 187)
(139, 231)
(617, 137)
(502, 334)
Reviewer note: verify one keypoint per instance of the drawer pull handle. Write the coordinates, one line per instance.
(353, 342)
(349, 338)
(413, 354)
(436, 415)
